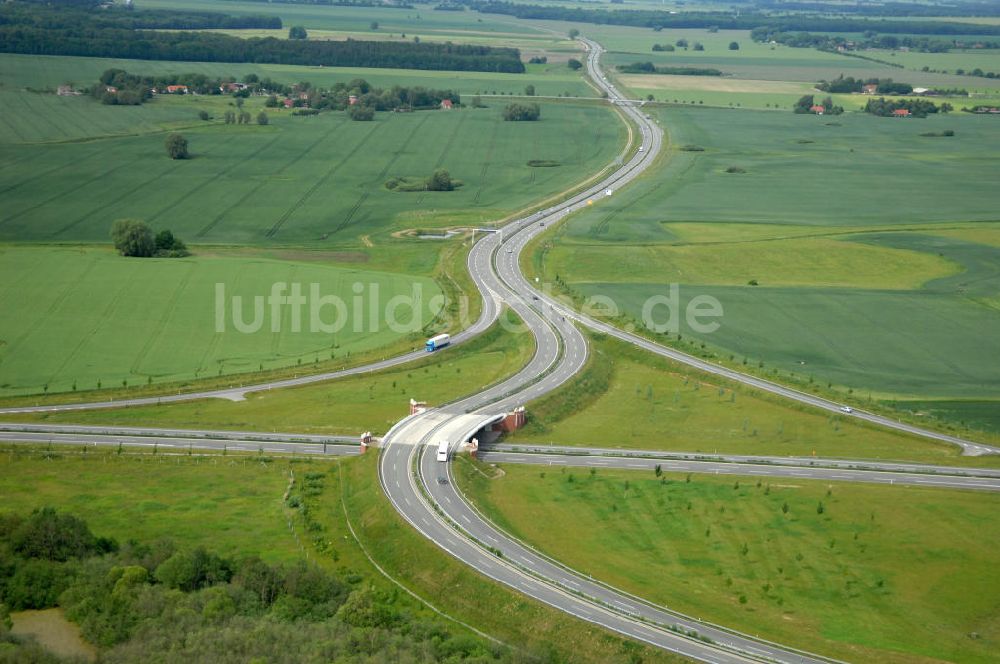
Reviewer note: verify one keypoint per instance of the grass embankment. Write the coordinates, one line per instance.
(627, 398)
(882, 574)
(347, 406)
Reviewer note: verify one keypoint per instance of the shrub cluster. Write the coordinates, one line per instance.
(138, 602)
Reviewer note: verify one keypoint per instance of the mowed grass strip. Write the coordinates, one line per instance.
(861, 573)
(79, 316)
(628, 399)
(369, 402)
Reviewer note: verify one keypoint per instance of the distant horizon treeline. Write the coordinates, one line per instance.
(748, 20)
(77, 14)
(33, 33)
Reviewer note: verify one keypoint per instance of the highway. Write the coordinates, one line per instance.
(185, 440)
(421, 488)
(789, 472)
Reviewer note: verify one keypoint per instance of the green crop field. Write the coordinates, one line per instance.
(626, 399)
(867, 290)
(298, 180)
(860, 582)
(74, 316)
(348, 406)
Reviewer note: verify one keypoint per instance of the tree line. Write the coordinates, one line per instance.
(20, 33)
(746, 20)
(135, 238)
(366, 97)
(65, 17)
(881, 9)
(884, 86)
(375, 4)
(650, 68)
(870, 39)
(918, 108)
(136, 600)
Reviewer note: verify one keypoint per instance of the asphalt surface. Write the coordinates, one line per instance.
(179, 444)
(762, 460)
(921, 479)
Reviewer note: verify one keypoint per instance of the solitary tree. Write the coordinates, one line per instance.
(132, 237)
(262, 118)
(297, 32)
(374, 25)
(529, 90)
(698, 46)
(203, 115)
(734, 46)
(177, 146)
(574, 64)
(574, 33)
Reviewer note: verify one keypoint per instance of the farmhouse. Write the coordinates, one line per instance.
(869, 88)
(817, 109)
(901, 113)
(66, 91)
(445, 104)
(920, 91)
(288, 103)
(177, 89)
(352, 99)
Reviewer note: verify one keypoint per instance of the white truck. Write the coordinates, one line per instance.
(442, 451)
(440, 341)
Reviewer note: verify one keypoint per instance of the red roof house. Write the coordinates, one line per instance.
(446, 104)
(174, 89)
(901, 113)
(288, 103)
(817, 109)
